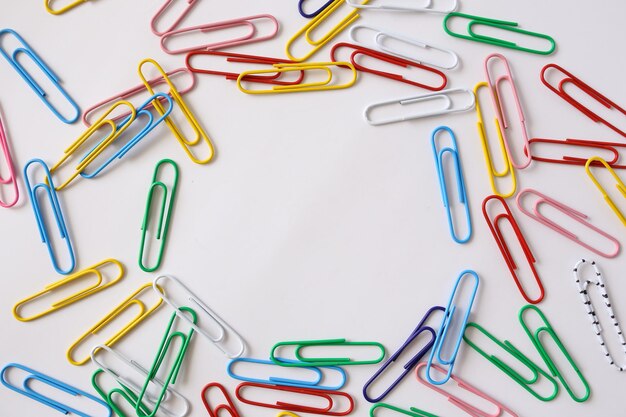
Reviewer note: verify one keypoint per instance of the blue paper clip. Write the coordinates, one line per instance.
(272, 380)
(144, 110)
(51, 382)
(408, 367)
(446, 324)
(460, 181)
(27, 50)
(58, 215)
(315, 13)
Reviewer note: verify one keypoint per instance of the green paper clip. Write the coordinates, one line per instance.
(412, 412)
(324, 361)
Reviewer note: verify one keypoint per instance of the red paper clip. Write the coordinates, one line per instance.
(326, 395)
(228, 406)
(574, 160)
(570, 78)
(360, 50)
(506, 253)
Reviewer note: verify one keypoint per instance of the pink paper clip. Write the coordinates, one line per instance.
(174, 25)
(494, 89)
(137, 90)
(574, 214)
(250, 37)
(11, 179)
(464, 405)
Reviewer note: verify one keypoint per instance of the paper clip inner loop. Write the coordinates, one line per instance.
(619, 184)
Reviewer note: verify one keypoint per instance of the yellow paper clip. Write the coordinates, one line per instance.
(618, 183)
(144, 312)
(64, 8)
(93, 153)
(491, 169)
(201, 135)
(322, 85)
(316, 22)
(84, 274)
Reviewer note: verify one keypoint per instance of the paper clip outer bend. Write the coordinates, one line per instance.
(176, 23)
(54, 79)
(315, 13)
(498, 104)
(408, 367)
(535, 337)
(619, 184)
(411, 412)
(570, 212)
(504, 248)
(464, 405)
(227, 407)
(27, 391)
(131, 301)
(384, 57)
(583, 288)
(247, 21)
(196, 302)
(439, 155)
(64, 9)
(49, 189)
(594, 94)
(11, 179)
(596, 146)
(496, 24)
(165, 214)
(304, 361)
(398, 8)
(189, 116)
(442, 334)
(316, 22)
(77, 296)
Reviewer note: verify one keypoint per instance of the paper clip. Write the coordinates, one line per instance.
(470, 409)
(225, 330)
(305, 392)
(162, 9)
(247, 22)
(498, 104)
(442, 334)
(380, 36)
(597, 147)
(492, 171)
(570, 212)
(598, 281)
(48, 187)
(227, 407)
(132, 300)
(94, 151)
(408, 367)
(496, 24)
(303, 383)
(11, 179)
(98, 286)
(26, 76)
(317, 21)
(128, 385)
(592, 93)
(34, 376)
(381, 56)
(443, 95)
(619, 184)
(315, 13)
(165, 214)
(64, 9)
(460, 182)
(494, 226)
(427, 8)
(189, 116)
(124, 95)
(323, 85)
(143, 110)
(535, 337)
(411, 412)
(304, 361)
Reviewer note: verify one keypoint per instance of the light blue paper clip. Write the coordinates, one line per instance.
(51, 382)
(58, 215)
(446, 324)
(460, 181)
(144, 110)
(28, 51)
(313, 383)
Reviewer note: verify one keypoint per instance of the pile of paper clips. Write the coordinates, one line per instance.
(150, 391)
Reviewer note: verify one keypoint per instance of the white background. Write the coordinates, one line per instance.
(309, 223)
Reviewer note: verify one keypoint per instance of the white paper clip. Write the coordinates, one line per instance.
(426, 7)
